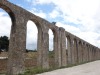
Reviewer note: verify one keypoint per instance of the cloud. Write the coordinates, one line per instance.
(51, 36)
(89, 36)
(31, 42)
(80, 17)
(54, 14)
(83, 16)
(38, 12)
(5, 24)
(32, 33)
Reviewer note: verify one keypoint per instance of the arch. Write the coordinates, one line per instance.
(8, 23)
(84, 54)
(5, 21)
(32, 44)
(51, 49)
(86, 51)
(69, 49)
(9, 11)
(56, 46)
(75, 51)
(80, 51)
(32, 33)
(51, 40)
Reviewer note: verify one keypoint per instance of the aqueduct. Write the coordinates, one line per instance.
(77, 51)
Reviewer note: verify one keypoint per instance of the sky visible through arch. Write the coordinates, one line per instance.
(79, 17)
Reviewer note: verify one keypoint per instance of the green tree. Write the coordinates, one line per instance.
(4, 43)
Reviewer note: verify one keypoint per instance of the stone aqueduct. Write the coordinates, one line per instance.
(78, 50)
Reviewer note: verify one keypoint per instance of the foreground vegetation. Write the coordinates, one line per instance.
(37, 70)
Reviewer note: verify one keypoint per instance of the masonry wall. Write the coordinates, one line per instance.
(77, 50)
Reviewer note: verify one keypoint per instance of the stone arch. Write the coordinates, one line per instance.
(31, 44)
(9, 11)
(75, 51)
(40, 36)
(87, 52)
(51, 53)
(39, 28)
(91, 57)
(15, 63)
(69, 49)
(83, 46)
(13, 19)
(80, 51)
(55, 46)
(37, 23)
(55, 34)
(10, 23)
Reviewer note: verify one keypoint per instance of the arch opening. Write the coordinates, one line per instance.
(51, 48)
(69, 51)
(5, 31)
(31, 44)
(76, 51)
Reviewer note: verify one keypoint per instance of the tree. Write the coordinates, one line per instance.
(4, 43)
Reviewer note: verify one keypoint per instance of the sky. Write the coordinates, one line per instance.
(79, 17)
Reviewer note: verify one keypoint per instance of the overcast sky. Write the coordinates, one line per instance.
(80, 17)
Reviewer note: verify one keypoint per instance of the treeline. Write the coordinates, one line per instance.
(4, 43)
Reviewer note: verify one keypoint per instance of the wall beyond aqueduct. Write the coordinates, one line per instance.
(77, 51)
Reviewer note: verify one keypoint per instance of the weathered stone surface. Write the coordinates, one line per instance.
(77, 50)
(63, 47)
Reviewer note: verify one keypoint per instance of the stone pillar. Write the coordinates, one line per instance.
(83, 52)
(69, 50)
(79, 52)
(43, 48)
(45, 45)
(92, 54)
(63, 47)
(39, 47)
(57, 49)
(89, 54)
(95, 53)
(17, 47)
(98, 53)
(82, 49)
(75, 51)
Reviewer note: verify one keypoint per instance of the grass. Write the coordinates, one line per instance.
(37, 70)
(34, 71)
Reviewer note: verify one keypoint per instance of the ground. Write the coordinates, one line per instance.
(92, 68)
